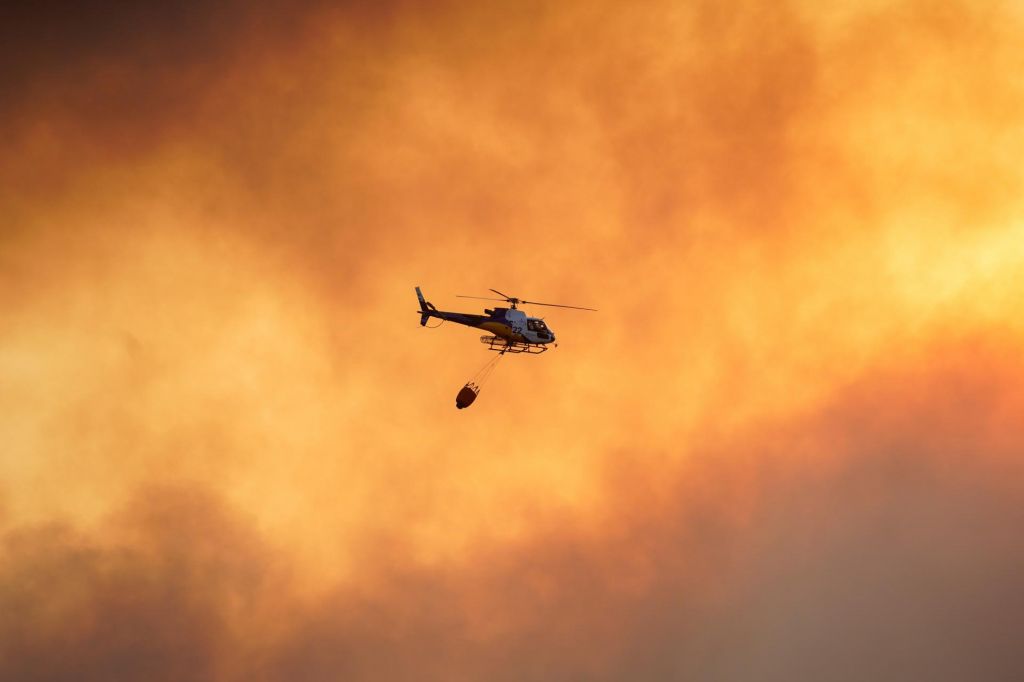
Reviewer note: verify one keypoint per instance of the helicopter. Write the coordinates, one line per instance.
(513, 331)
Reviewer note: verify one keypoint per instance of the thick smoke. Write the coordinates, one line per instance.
(765, 558)
(786, 448)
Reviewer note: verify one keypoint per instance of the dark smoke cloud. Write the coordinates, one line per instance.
(874, 540)
(157, 595)
(787, 449)
(112, 77)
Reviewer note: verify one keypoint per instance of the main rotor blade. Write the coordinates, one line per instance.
(558, 305)
(520, 301)
(481, 298)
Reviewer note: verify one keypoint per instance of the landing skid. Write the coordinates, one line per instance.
(496, 343)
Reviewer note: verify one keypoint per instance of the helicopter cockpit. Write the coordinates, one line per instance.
(537, 326)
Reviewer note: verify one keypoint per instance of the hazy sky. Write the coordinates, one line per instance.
(788, 447)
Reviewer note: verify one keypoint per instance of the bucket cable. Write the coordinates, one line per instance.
(484, 373)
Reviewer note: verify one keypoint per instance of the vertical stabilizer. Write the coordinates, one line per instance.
(426, 308)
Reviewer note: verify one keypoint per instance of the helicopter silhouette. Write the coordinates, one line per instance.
(513, 331)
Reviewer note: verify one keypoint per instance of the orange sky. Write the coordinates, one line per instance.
(789, 437)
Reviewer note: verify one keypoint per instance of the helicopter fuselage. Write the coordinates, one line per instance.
(510, 324)
(507, 323)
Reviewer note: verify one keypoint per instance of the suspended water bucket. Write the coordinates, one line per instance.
(467, 395)
(472, 388)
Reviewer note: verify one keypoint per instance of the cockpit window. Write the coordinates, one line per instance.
(536, 325)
